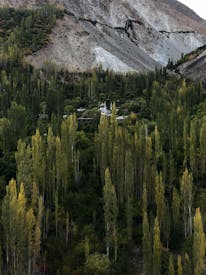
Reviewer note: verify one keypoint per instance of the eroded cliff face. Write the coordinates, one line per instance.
(121, 35)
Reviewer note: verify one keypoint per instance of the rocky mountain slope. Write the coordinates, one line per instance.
(193, 65)
(122, 35)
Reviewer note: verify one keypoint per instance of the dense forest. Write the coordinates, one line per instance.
(91, 190)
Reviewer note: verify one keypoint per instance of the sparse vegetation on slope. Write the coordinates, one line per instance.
(185, 58)
(26, 31)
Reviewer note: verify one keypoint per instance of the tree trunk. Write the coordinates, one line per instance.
(29, 266)
(107, 241)
(190, 220)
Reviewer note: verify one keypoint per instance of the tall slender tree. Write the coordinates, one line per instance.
(179, 265)
(176, 206)
(157, 249)
(146, 245)
(110, 214)
(198, 244)
(160, 199)
(171, 270)
(129, 186)
(186, 189)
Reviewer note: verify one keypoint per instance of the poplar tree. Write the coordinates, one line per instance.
(67, 229)
(186, 140)
(21, 231)
(86, 248)
(186, 188)
(138, 164)
(146, 246)
(167, 225)
(157, 249)
(194, 145)
(56, 203)
(176, 206)
(171, 171)
(50, 164)
(129, 186)
(77, 172)
(68, 144)
(147, 166)
(30, 223)
(119, 165)
(24, 166)
(158, 148)
(144, 198)
(9, 221)
(59, 163)
(112, 132)
(41, 212)
(198, 244)
(110, 214)
(187, 268)
(160, 199)
(38, 161)
(171, 270)
(35, 198)
(68, 137)
(179, 265)
(37, 245)
(102, 143)
(18, 225)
